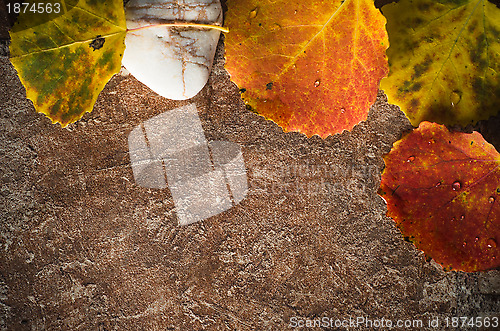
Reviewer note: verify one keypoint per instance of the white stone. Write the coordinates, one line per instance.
(173, 62)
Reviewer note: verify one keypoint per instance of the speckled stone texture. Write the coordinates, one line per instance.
(84, 248)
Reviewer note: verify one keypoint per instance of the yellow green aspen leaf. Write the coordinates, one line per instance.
(65, 58)
(443, 60)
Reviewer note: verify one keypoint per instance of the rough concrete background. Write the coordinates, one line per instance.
(84, 248)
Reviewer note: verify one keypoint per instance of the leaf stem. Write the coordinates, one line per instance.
(190, 25)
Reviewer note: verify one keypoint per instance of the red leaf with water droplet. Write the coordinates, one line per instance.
(443, 190)
(310, 66)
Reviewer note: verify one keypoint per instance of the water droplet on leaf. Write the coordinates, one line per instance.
(342, 110)
(411, 159)
(491, 200)
(462, 217)
(455, 98)
(253, 13)
(456, 186)
(491, 243)
(316, 83)
(438, 184)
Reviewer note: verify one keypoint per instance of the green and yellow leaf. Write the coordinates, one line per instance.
(444, 60)
(64, 62)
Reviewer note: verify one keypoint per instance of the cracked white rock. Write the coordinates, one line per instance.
(172, 61)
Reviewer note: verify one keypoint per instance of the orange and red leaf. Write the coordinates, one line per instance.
(443, 190)
(310, 66)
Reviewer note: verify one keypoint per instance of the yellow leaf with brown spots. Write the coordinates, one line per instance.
(444, 60)
(64, 59)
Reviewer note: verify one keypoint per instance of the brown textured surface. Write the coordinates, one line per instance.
(84, 248)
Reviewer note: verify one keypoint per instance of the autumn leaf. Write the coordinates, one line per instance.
(443, 190)
(65, 62)
(310, 66)
(444, 60)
